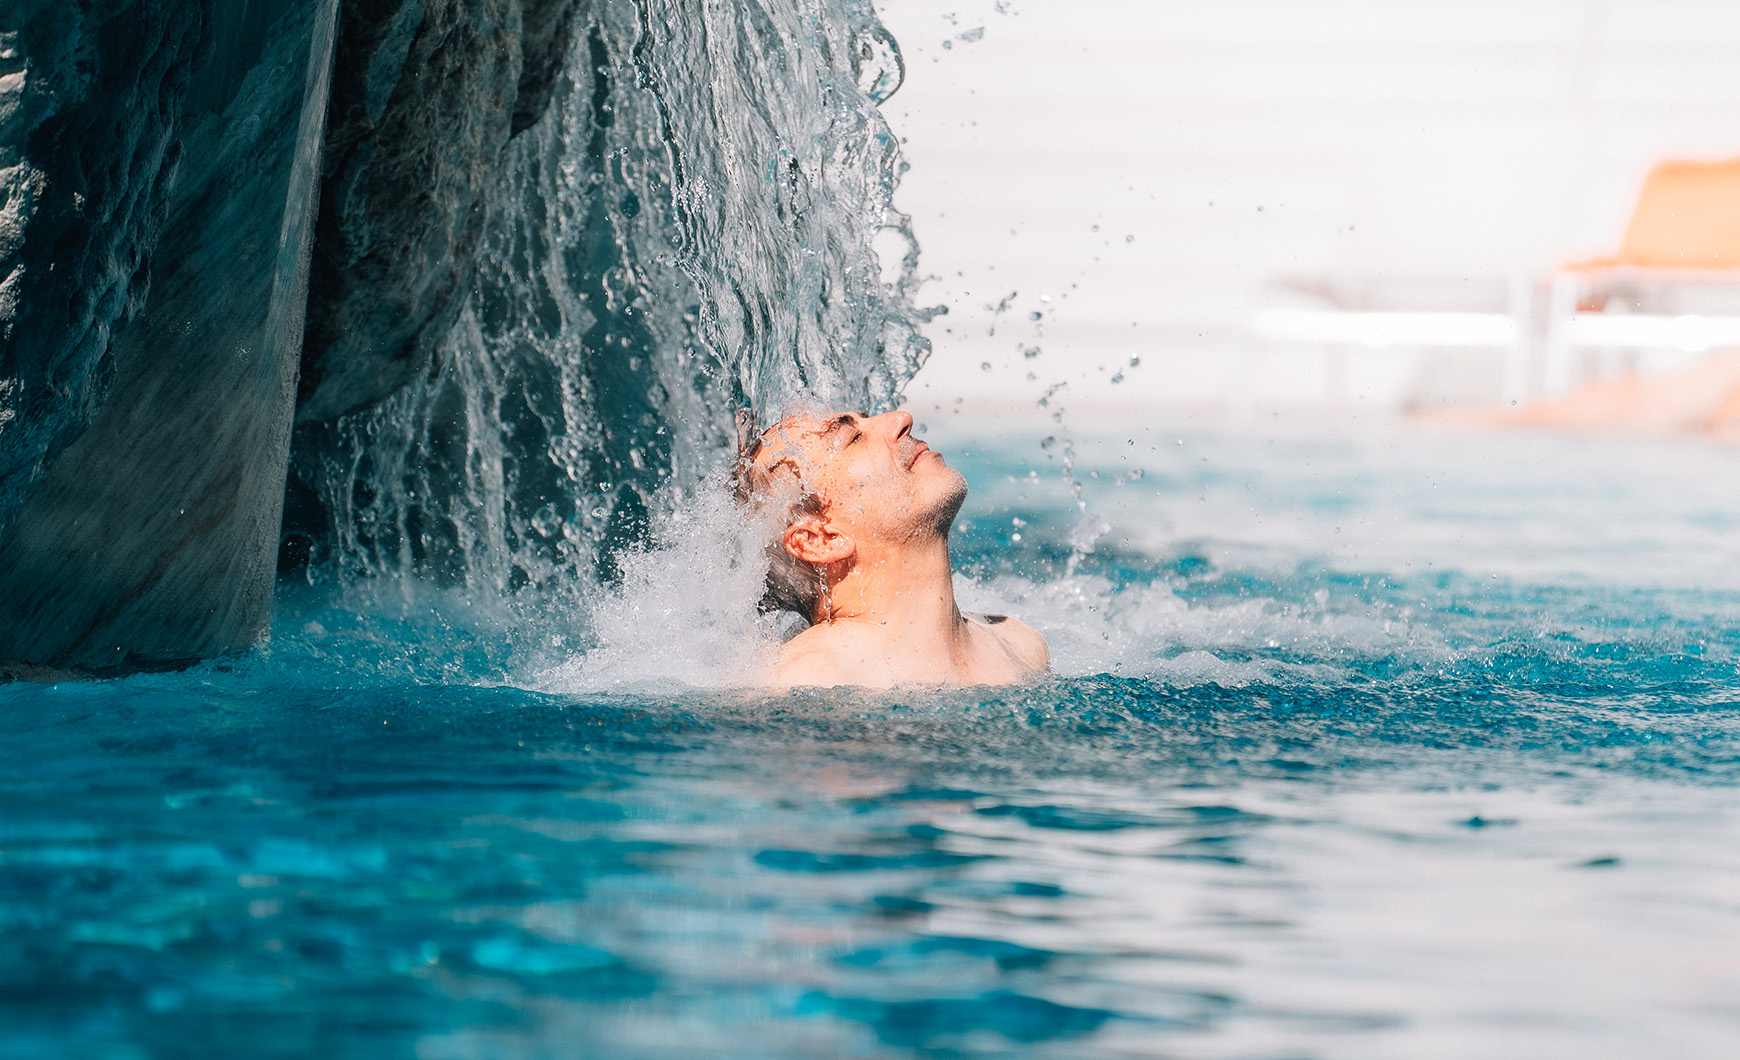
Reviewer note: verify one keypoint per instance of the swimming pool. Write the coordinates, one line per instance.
(1364, 742)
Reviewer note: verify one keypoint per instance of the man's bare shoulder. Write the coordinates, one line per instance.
(839, 654)
(1020, 640)
(819, 657)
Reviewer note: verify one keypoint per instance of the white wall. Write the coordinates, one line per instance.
(1219, 143)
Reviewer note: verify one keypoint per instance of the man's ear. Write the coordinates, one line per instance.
(813, 540)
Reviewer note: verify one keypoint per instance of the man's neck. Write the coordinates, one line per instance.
(903, 593)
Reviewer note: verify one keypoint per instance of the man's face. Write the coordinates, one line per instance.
(873, 477)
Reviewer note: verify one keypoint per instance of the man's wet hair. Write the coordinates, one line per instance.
(780, 495)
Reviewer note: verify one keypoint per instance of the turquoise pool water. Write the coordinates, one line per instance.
(1362, 743)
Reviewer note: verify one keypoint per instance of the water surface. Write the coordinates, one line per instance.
(1361, 744)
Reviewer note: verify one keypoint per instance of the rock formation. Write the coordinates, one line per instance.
(167, 154)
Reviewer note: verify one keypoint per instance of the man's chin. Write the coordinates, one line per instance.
(949, 502)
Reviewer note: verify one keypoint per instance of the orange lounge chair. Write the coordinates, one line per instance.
(1674, 284)
(1687, 219)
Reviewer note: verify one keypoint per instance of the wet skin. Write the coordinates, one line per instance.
(889, 616)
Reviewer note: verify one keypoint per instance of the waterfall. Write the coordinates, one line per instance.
(686, 228)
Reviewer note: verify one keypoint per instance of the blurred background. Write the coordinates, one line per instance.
(1345, 207)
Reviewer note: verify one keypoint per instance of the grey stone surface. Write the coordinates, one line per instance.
(159, 184)
(91, 99)
(426, 96)
(150, 537)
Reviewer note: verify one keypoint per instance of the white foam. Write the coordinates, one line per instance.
(1343, 548)
(684, 612)
(1147, 630)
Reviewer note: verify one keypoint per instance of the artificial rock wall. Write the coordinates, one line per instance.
(164, 166)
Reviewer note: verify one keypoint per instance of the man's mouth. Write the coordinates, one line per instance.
(918, 453)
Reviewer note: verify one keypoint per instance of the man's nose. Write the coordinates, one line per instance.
(897, 424)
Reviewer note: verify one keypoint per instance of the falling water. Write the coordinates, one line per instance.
(688, 229)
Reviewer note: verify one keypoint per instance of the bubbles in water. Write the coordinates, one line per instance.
(877, 65)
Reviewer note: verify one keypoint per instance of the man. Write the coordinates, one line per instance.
(861, 514)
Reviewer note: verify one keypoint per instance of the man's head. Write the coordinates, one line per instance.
(847, 488)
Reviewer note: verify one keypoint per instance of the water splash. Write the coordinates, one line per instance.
(681, 615)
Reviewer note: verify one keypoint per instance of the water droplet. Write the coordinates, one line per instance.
(546, 521)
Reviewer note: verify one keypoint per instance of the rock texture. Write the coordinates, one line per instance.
(175, 168)
(160, 179)
(426, 96)
(90, 115)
